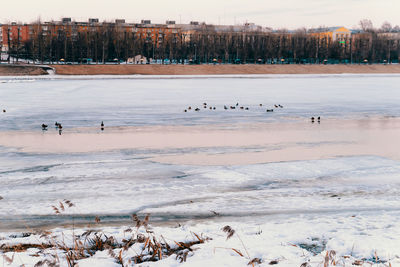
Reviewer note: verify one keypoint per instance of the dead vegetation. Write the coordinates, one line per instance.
(141, 244)
(152, 247)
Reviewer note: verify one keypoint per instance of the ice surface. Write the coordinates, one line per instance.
(349, 204)
(160, 100)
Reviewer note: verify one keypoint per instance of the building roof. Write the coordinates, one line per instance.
(328, 29)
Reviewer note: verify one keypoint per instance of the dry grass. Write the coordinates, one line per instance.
(153, 247)
(16, 70)
(55, 250)
(205, 69)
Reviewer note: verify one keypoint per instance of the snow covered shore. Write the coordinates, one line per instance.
(348, 239)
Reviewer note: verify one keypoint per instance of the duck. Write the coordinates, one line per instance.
(57, 124)
(246, 108)
(280, 106)
(276, 106)
(270, 110)
(185, 110)
(44, 126)
(260, 105)
(237, 104)
(241, 107)
(4, 111)
(312, 119)
(214, 108)
(197, 109)
(189, 108)
(225, 107)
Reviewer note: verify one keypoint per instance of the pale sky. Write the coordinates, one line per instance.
(272, 13)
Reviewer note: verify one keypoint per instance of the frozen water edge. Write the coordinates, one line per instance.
(216, 76)
(290, 240)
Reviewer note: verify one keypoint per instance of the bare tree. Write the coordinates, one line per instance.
(386, 27)
(366, 25)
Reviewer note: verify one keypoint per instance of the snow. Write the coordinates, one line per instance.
(285, 239)
(292, 211)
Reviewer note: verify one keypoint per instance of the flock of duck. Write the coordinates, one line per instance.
(205, 106)
(318, 119)
(230, 107)
(59, 127)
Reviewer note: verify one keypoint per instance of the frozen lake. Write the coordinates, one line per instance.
(288, 195)
(118, 182)
(161, 101)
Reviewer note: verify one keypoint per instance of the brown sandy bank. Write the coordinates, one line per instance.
(20, 70)
(220, 69)
(224, 145)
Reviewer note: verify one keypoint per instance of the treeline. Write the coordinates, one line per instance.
(113, 43)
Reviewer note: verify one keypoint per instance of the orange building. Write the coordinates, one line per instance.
(156, 33)
(13, 35)
(340, 34)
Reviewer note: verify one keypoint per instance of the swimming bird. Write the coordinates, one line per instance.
(189, 108)
(225, 107)
(102, 126)
(260, 105)
(237, 104)
(280, 106)
(57, 124)
(210, 107)
(185, 110)
(4, 111)
(44, 127)
(270, 110)
(204, 104)
(197, 109)
(312, 119)
(214, 108)
(241, 107)
(276, 106)
(246, 108)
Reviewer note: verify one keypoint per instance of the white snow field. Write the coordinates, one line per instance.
(341, 211)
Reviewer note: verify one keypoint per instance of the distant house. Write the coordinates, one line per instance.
(340, 34)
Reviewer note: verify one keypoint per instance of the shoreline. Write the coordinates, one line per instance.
(124, 69)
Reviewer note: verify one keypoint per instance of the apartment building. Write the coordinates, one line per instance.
(340, 34)
(13, 35)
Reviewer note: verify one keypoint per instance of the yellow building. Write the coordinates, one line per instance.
(340, 34)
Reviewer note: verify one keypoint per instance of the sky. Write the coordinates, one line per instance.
(289, 14)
